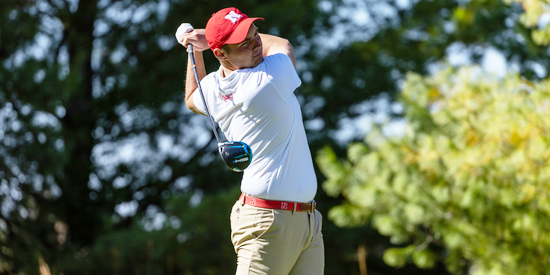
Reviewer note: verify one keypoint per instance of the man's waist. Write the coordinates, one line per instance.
(296, 189)
(278, 204)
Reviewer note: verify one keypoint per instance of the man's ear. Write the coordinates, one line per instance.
(219, 53)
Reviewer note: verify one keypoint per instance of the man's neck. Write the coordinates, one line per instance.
(226, 71)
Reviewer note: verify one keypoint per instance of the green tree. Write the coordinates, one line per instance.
(412, 38)
(470, 175)
(418, 40)
(534, 10)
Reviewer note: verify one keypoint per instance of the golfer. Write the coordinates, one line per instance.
(275, 228)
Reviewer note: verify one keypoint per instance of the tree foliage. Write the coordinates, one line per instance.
(534, 11)
(445, 191)
(470, 175)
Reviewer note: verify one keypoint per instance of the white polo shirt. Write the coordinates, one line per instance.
(258, 106)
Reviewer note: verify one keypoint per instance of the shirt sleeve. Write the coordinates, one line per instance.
(284, 74)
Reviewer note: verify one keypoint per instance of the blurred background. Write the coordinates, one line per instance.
(428, 120)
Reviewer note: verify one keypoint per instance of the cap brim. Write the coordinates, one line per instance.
(240, 33)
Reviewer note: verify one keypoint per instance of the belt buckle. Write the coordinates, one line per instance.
(312, 204)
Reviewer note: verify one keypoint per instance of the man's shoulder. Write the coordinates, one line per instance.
(209, 78)
(281, 57)
(279, 60)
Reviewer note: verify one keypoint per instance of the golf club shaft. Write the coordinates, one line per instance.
(190, 49)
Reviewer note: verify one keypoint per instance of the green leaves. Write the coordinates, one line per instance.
(534, 9)
(327, 159)
(470, 175)
(398, 256)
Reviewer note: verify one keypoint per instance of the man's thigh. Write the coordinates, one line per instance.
(312, 259)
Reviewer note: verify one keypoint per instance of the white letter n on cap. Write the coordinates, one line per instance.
(233, 17)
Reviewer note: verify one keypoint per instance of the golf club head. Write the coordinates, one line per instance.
(237, 155)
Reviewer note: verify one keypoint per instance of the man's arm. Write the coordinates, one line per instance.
(190, 82)
(198, 40)
(272, 44)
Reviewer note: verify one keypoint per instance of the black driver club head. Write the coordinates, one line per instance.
(237, 155)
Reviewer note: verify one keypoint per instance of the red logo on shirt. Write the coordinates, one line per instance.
(227, 97)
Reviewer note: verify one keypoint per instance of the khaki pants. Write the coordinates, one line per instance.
(277, 242)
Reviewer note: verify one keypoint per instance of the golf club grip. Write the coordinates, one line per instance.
(190, 50)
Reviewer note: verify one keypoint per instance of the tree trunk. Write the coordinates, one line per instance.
(362, 258)
(78, 124)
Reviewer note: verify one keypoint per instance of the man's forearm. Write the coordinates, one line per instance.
(190, 82)
(273, 44)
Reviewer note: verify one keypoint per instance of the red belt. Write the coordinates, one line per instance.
(282, 205)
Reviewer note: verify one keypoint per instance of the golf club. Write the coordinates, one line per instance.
(236, 155)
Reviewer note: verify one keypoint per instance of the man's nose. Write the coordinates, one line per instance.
(257, 41)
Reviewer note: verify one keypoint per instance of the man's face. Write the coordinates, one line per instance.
(247, 54)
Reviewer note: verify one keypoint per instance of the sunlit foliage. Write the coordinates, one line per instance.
(536, 17)
(470, 175)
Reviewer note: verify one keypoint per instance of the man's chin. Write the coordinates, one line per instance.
(258, 59)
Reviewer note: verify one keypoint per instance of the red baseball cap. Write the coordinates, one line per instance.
(228, 26)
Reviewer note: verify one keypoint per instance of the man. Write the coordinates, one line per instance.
(275, 228)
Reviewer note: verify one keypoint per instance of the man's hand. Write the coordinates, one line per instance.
(195, 37)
